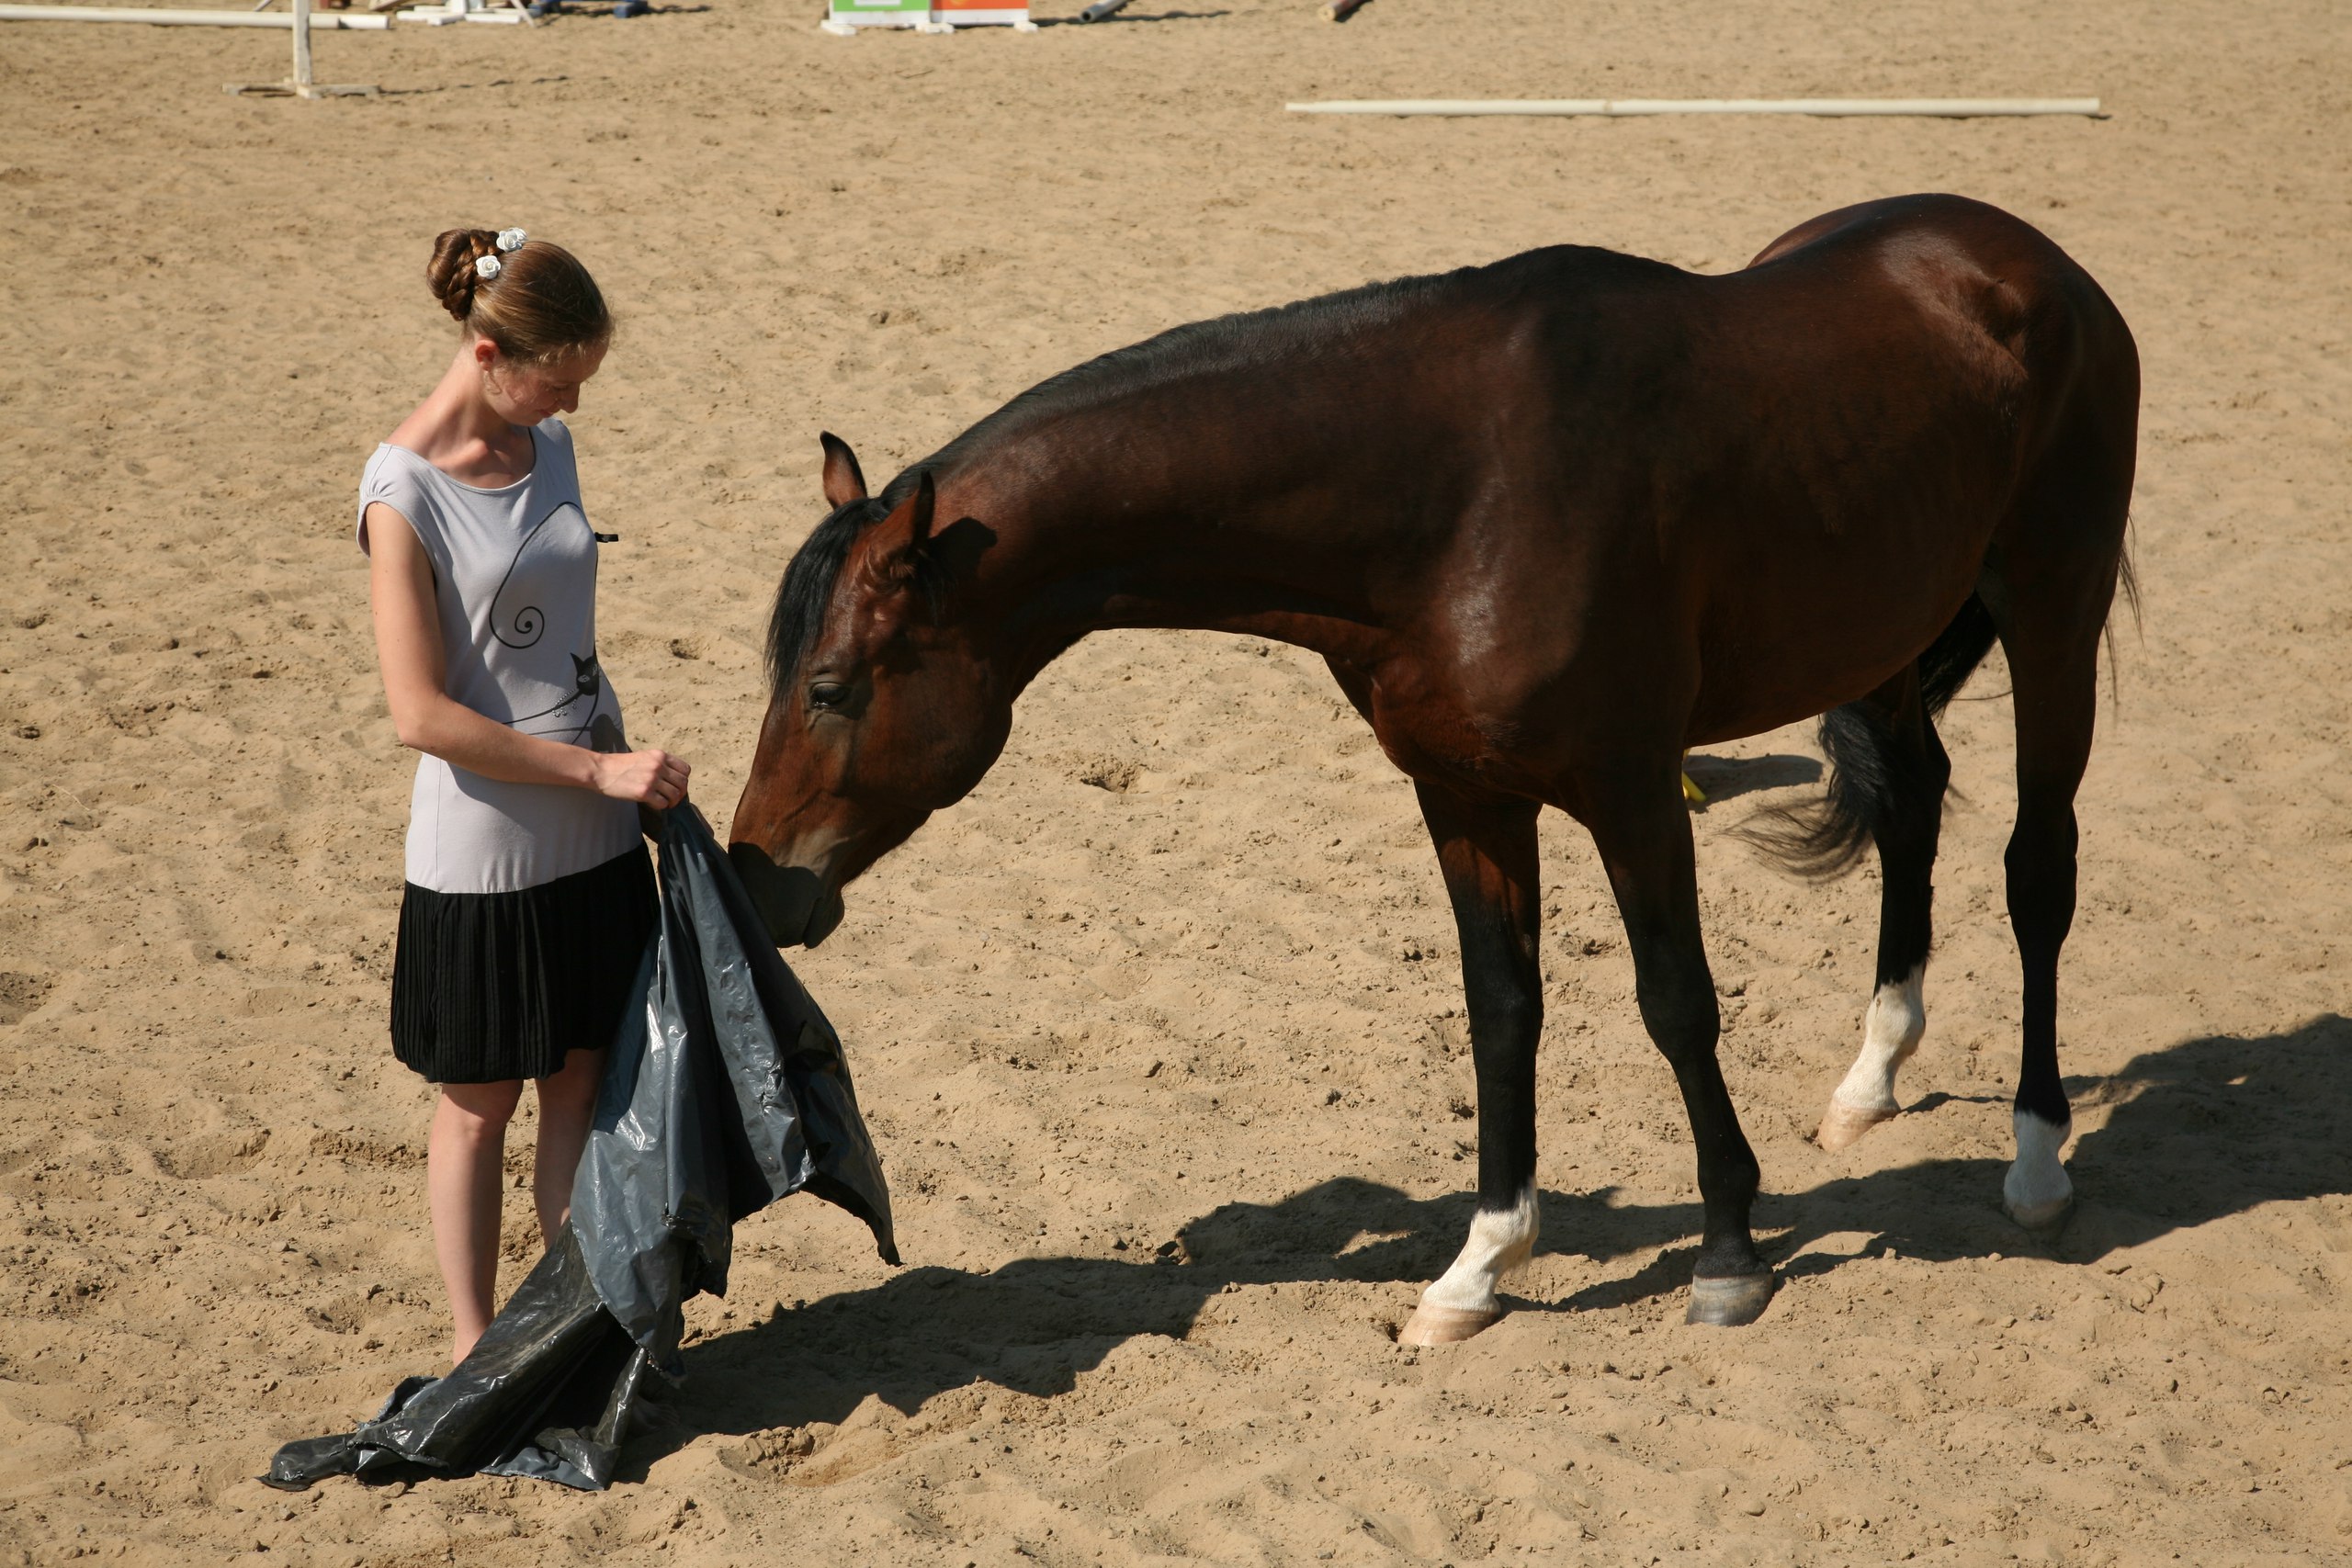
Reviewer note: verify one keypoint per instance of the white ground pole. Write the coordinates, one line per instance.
(323, 21)
(1943, 109)
(320, 21)
(301, 23)
(1018, 20)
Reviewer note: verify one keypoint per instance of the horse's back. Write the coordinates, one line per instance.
(1832, 437)
(2011, 280)
(2075, 407)
(1967, 235)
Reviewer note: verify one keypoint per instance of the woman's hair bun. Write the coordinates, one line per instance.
(451, 271)
(538, 305)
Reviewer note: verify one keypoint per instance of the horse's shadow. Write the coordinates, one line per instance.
(2197, 1131)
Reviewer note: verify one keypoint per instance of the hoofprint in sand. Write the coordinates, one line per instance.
(1105, 1340)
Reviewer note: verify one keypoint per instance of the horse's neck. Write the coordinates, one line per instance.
(1133, 534)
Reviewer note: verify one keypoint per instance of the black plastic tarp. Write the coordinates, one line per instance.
(726, 1091)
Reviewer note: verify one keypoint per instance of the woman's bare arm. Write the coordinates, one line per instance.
(408, 648)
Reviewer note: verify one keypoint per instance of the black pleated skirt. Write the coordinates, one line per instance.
(488, 986)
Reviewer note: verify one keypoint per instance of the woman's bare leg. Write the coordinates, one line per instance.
(463, 1160)
(567, 1107)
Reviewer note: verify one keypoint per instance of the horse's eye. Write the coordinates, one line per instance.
(828, 694)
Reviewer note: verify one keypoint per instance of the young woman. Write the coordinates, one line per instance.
(530, 895)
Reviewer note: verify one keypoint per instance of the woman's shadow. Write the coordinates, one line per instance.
(2197, 1131)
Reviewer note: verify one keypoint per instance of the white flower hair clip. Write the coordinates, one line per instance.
(488, 267)
(511, 239)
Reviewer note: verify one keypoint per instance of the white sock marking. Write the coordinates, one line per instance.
(2037, 1189)
(1890, 1031)
(1499, 1242)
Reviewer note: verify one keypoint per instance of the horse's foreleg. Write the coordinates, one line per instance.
(1643, 835)
(1909, 783)
(1486, 850)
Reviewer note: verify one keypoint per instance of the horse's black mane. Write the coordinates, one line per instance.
(1223, 342)
(808, 585)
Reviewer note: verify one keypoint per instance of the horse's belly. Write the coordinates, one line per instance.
(1790, 648)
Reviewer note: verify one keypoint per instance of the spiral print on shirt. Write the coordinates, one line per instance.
(522, 626)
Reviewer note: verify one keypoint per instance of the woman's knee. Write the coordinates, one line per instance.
(573, 1087)
(479, 1109)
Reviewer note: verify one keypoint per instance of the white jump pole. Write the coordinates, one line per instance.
(301, 84)
(324, 21)
(1941, 109)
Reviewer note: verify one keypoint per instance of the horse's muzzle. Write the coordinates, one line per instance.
(798, 909)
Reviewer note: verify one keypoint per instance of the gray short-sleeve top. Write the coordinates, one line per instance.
(515, 583)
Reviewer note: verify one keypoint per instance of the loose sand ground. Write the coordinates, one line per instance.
(1160, 1032)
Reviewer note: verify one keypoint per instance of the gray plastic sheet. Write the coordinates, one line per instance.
(725, 1091)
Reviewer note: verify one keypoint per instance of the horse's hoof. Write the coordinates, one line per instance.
(1842, 1125)
(2043, 1221)
(1730, 1301)
(1445, 1325)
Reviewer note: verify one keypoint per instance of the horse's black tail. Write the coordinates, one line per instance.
(1872, 780)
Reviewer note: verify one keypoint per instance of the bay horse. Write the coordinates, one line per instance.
(1550, 522)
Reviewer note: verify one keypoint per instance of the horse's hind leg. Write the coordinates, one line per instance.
(1894, 724)
(2050, 583)
(2051, 632)
(1486, 848)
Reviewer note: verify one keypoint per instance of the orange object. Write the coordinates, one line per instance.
(981, 14)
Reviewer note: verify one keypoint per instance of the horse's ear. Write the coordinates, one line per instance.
(919, 526)
(900, 561)
(844, 480)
